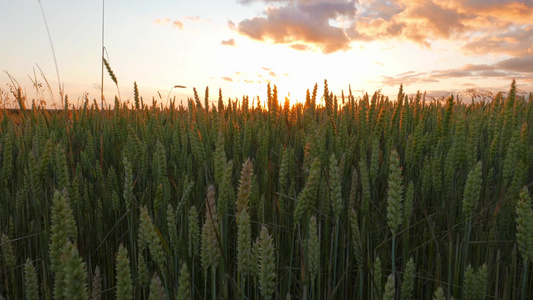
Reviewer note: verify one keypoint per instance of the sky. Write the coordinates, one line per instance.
(239, 46)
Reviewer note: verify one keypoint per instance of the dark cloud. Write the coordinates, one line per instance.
(230, 42)
(304, 22)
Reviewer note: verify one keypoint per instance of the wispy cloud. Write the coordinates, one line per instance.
(193, 18)
(163, 21)
(517, 67)
(230, 42)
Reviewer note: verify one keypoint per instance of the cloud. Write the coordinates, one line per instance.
(230, 42)
(231, 25)
(193, 18)
(229, 79)
(303, 22)
(300, 47)
(516, 42)
(177, 24)
(517, 67)
(163, 21)
(481, 26)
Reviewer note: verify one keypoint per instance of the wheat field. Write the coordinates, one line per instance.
(334, 198)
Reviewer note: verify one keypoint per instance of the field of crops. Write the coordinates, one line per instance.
(334, 198)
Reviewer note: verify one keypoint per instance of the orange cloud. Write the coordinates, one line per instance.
(333, 25)
(162, 21)
(177, 24)
(517, 67)
(230, 42)
(303, 22)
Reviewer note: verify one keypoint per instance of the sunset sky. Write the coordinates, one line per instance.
(239, 46)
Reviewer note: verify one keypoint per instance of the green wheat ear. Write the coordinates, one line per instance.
(30, 281)
(335, 187)
(394, 202)
(408, 284)
(142, 271)
(157, 292)
(7, 251)
(313, 249)
(244, 229)
(524, 226)
(267, 264)
(439, 294)
(184, 283)
(194, 232)
(124, 289)
(356, 238)
(210, 252)
(390, 289)
(472, 191)
(475, 283)
(75, 286)
(111, 73)
(96, 288)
